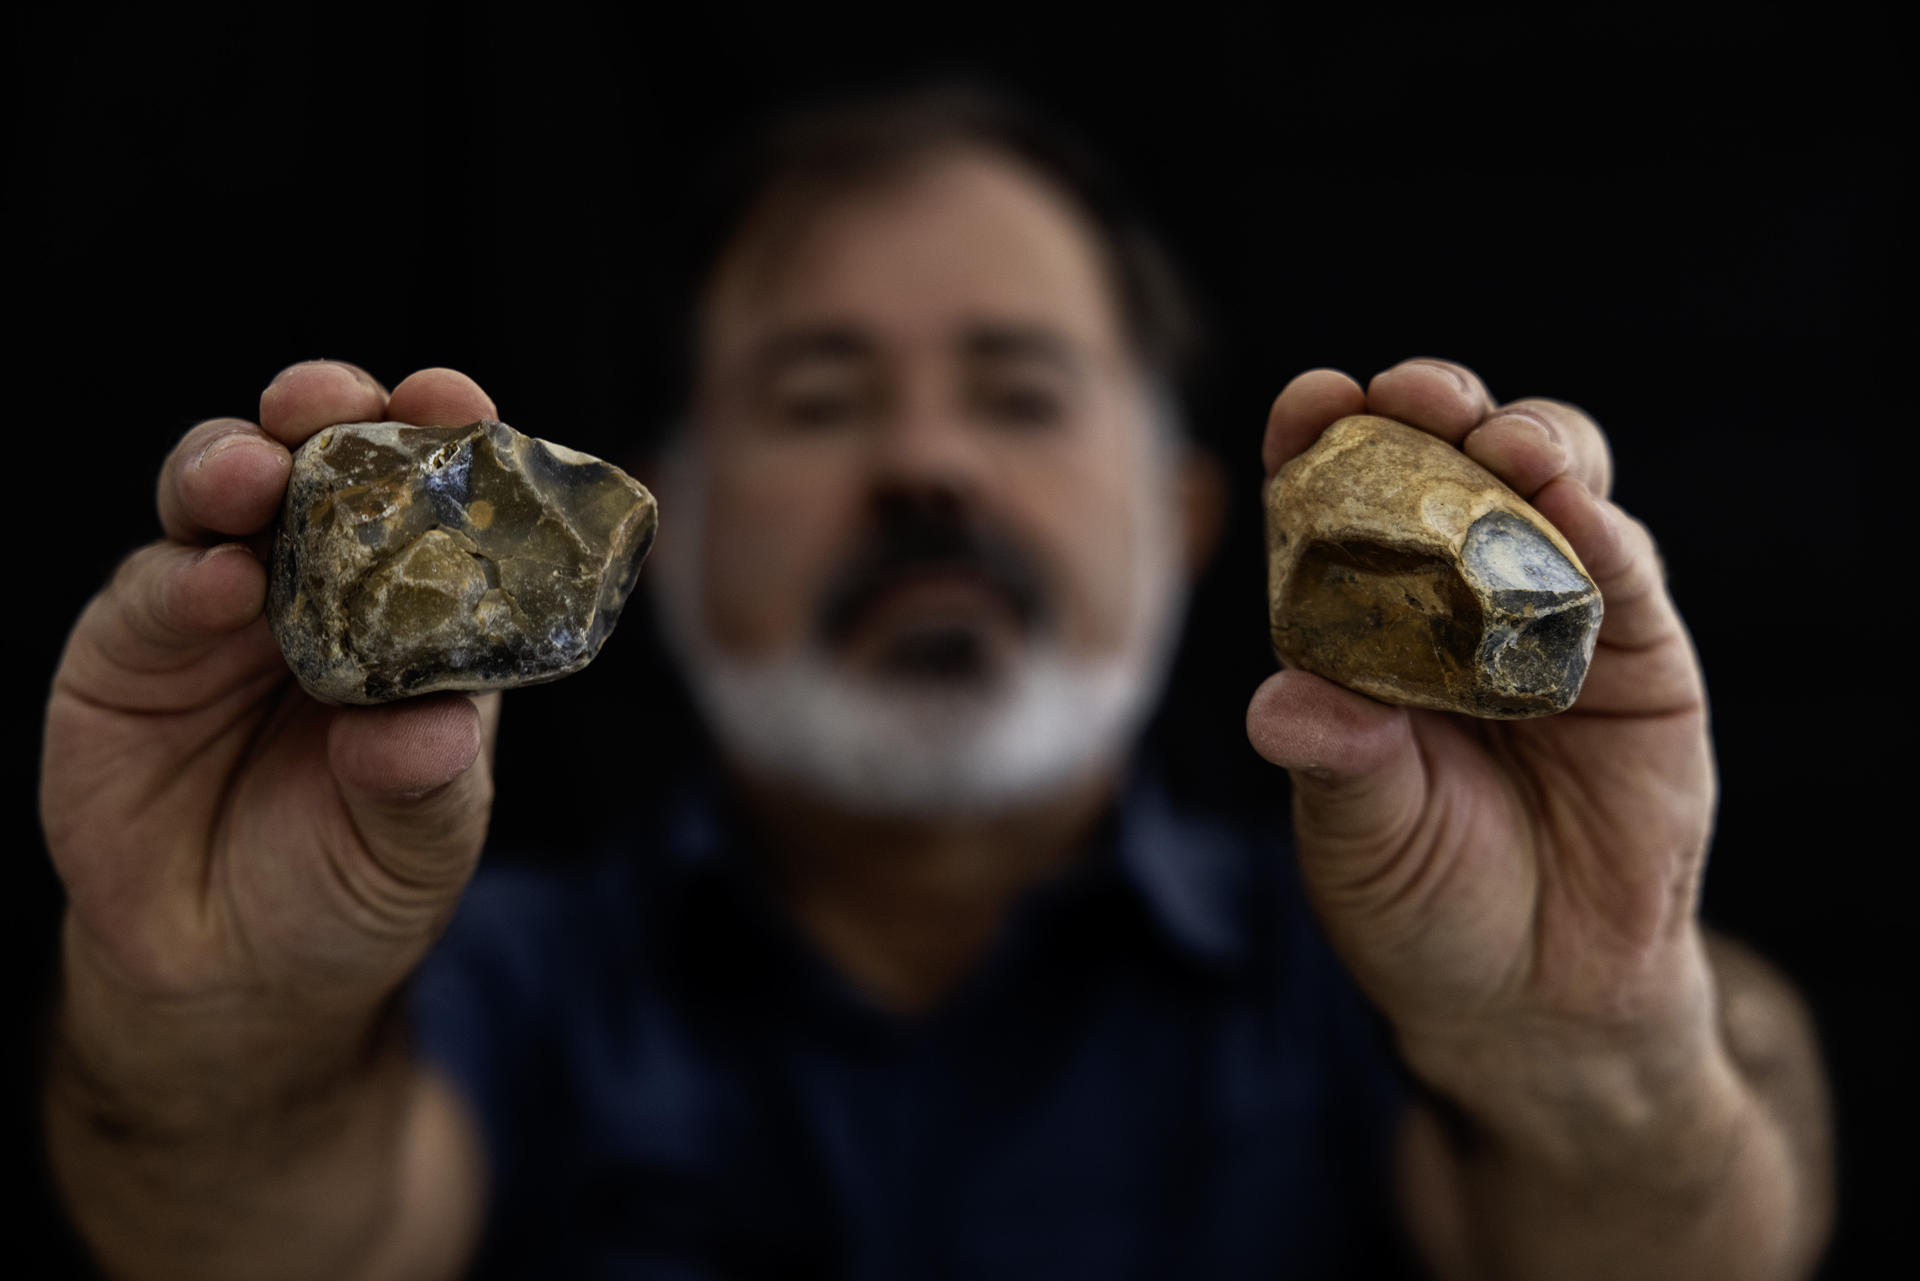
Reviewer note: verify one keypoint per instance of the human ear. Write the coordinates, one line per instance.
(1203, 506)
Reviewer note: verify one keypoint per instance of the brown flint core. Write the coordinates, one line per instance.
(414, 559)
(1400, 568)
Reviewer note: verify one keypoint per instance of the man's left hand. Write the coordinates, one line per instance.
(1519, 898)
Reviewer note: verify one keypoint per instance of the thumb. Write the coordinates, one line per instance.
(415, 778)
(1359, 787)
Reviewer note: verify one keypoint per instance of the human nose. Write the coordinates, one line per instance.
(925, 445)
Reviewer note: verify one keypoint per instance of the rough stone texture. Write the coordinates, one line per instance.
(414, 559)
(1399, 567)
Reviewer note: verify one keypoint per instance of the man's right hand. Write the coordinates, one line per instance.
(223, 837)
(250, 874)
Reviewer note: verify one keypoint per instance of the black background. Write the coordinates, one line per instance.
(1687, 227)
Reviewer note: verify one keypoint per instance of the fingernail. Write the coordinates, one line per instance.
(1458, 379)
(219, 549)
(352, 371)
(1528, 416)
(224, 445)
(298, 364)
(362, 377)
(1541, 428)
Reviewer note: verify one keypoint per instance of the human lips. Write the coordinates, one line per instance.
(933, 597)
(923, 571)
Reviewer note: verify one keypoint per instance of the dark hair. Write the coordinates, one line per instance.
(826, 146)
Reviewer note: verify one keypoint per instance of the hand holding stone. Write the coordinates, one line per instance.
(237, 856)
(1515, 895)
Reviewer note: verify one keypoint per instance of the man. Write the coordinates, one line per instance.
(930, 979)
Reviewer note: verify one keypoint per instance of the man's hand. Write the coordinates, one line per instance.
(222, 837)
(1474, 873)
(1518, 897)
(250, 874)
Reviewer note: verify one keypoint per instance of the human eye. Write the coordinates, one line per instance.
(816, 410)
(1023, 406)
(814, 403)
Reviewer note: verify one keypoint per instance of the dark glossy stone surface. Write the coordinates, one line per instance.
(414, 559)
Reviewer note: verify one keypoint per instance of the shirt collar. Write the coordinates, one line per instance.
(1190, 874)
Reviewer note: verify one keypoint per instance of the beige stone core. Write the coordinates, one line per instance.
(1400, 568)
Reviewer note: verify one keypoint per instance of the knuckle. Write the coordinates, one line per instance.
(1643, 533)
(138, 595)
(133, 571)
(1651, 545)
(188, 447)
(161, 604)
(1575, 429)
(1642, 547)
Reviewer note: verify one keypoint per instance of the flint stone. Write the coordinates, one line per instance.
(1399, 567)
(409, 560)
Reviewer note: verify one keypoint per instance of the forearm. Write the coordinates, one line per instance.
(1708, 1160)
(219, 1143)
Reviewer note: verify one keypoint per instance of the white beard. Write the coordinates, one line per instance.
(907, 749)
(928, 748)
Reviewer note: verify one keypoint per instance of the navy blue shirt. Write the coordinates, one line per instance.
(1158, 1071)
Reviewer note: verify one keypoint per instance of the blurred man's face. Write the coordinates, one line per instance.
(924, 499)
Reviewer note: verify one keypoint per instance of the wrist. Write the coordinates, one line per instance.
(198, 1136)
(1657, 1094)
(1664, 1144)
(138, 1065)
(1594, 1114)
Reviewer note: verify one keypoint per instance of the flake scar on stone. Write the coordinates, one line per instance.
(409, 560)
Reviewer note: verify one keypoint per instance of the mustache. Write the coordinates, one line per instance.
(909, 540)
